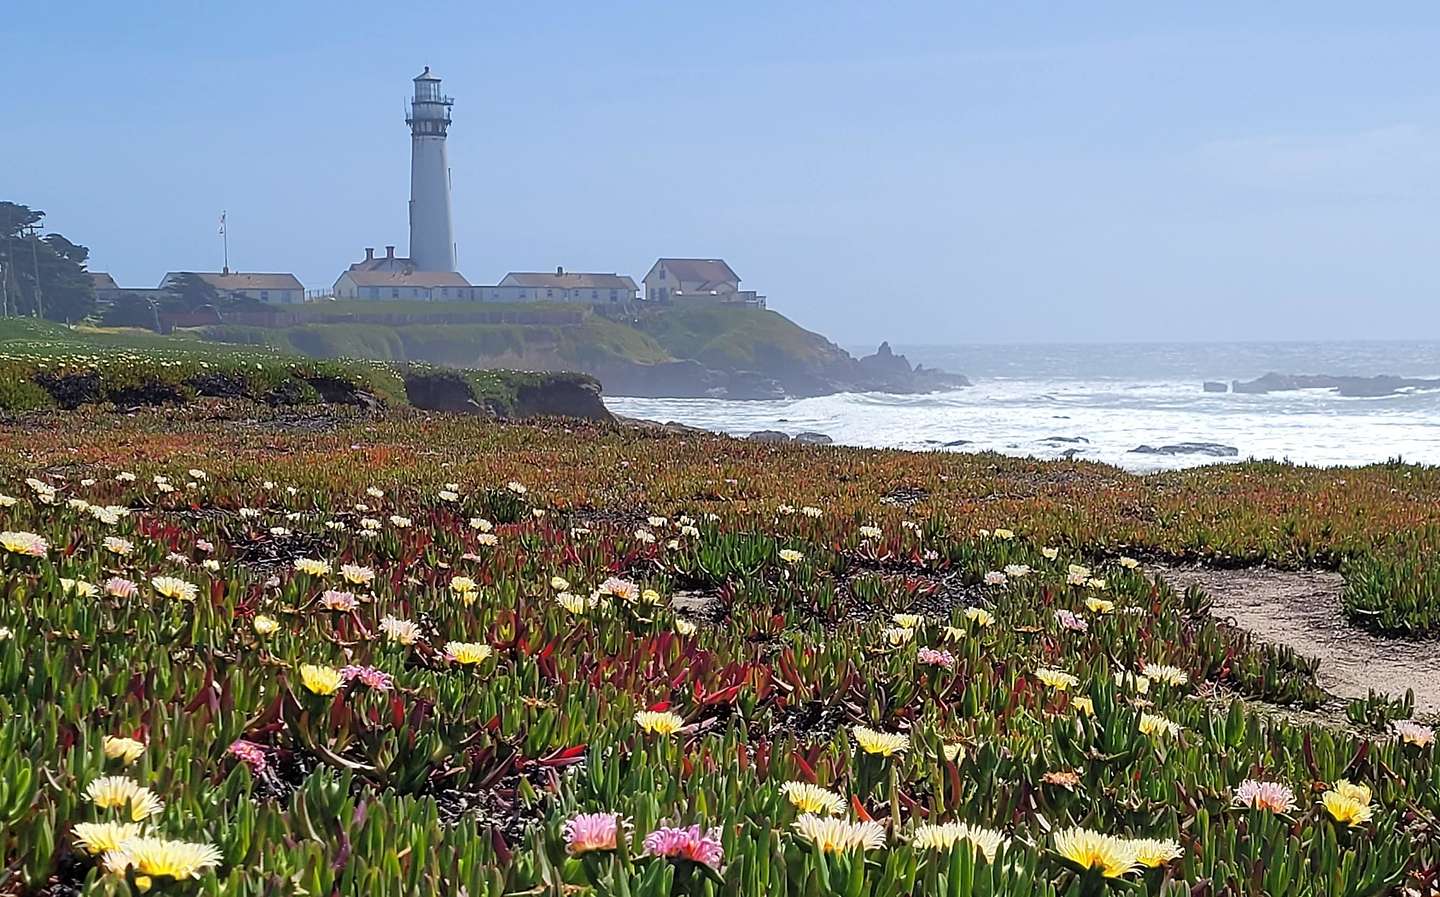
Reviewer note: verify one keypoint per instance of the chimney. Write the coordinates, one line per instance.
(559, 271)
(369, 253)
(389, 252)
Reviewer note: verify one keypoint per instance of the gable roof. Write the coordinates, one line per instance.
(406, 278)
(102, 281)
(570, 280)
(235, 280)
(708, 270)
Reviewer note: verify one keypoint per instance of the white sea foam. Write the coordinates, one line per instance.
(1025, 409)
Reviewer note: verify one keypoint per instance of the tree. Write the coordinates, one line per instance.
(41, 275)
(185, 292)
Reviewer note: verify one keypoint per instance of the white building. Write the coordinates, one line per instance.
(696, 280)
(274, 289)
(562, 286)
(394, 277)
(432, 238)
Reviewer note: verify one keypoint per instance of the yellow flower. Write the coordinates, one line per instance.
(908, 621)
(1152, 852)
(171, 587)
(559, 583)
(575, 604)
(126, 749)
(953, 751)
(945, 836)
(98, 837)
(1083, 705)
(265, 625)
(979, 616)
(1056, 679)
(1153, 724)
(1111, 856)
(118, 792)
(833, 835)
(23, 543)
(1129, 563)
(312, 566)
(1099, 605)
(464, 587)
(791, 556)
(650, 596)
(685, 627)
(1346, 809)
(883, 743)
(1165, 675)
(1005, 534)
(357, 575)
(809, 798)
(468, 653)
(1130, 680)
(897, 636)
(152, 856)
(1345, 788)
(659, 722)
(321, 680)
(79, 588)
(954, 633)
(1050, 553)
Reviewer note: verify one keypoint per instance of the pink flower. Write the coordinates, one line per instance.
(368, 676)
(205, 545)
(251, 754)
(1070, 620)
(941, 658)
(686, 844)
(336, 600)
(592, 831)
(120, 587)
(1272, 796)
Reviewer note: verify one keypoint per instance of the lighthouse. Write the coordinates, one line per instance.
(432, 239)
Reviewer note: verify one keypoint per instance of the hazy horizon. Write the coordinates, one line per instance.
(938, 174)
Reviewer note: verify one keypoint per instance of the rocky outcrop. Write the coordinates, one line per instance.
(768, 436)
(1356, 387)
(1215, 386)
(813, 439)
(561, 395)
(887, 372)
(1213, 449)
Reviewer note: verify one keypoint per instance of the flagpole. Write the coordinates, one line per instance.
(225, 240)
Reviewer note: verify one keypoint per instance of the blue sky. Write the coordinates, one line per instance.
(923, 172)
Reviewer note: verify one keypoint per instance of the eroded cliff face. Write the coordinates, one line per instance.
(507, 395)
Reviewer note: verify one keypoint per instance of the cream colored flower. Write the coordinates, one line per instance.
(884, 744)
(126, 750)
(809, 798)
(832, 835)
(659, 722)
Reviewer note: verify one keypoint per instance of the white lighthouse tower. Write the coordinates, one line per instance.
(432, 240)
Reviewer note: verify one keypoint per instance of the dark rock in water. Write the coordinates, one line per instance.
(1213, 449)
(1216, 386)
(814, 439)
(887, 372)
(1070, 453)
(1354, 387)
(956, 442)
(1065, 439)
(768, 436)
(671, 426)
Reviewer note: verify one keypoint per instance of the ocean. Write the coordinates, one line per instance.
(1100, 401)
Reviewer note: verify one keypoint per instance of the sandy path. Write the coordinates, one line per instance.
(1302, 611)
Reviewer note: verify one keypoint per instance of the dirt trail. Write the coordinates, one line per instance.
(1302, 611)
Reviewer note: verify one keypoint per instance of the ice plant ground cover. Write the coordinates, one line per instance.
(431, 655)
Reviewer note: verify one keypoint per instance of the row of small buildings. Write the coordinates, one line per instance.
(390, 277)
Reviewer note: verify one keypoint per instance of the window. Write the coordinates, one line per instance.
(614, 295)
(264, 295)
(445, 292)
(662, 273)
(394, 292)
(522, 294)
(374, 292)
(549, 294)
(594, 294)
